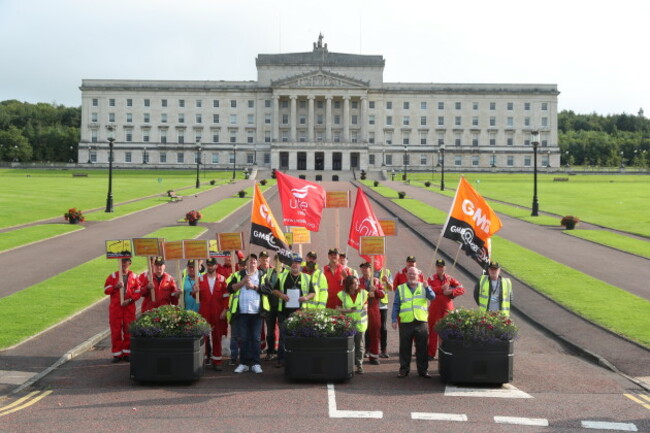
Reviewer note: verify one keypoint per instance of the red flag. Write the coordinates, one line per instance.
(302, 201)
(364, 223)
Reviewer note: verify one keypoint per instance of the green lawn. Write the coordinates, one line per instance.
(42, 305)
(617, 201)
(614, 240)
(428, 214)
(28, 235)
(34, 195)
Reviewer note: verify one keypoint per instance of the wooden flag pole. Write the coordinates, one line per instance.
(150, 274)
(179, 275)
(196, 280)
(456, 258)
(435, 252)
(121, 279)
(337, 228)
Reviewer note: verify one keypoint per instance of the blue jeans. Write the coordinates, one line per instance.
(234, 339)
(250, 329)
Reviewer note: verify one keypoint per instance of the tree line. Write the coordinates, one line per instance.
(49, 132)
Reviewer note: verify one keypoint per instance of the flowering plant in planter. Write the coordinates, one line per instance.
(476, 326)
(73, 214)
(193, 215)
(170, 321)
(319, 323)
(569, 221)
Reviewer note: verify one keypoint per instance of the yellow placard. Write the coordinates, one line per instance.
(372, 245)
(337, 199)
(214, 252)
(119, 249)
(389, 227)
(148, 247)
(195, 249)
(300, 235)
(230, 241)
(173, 250)
(289, 237)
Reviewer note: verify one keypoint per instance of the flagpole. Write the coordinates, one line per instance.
(456, 258)
(435, 253)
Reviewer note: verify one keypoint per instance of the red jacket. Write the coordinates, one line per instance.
(334, 284)
(211, 304)
(443, 303)
(400, 278)
(373, 302)
(163, 289)
(132, 290)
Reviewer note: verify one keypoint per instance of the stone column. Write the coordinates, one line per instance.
(346, 119)
(275, 137)
(292, 119)
(364, 120)
(310, 119)
(328, 118)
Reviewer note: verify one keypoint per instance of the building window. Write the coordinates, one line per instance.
(267, 103)
(371, 137)
(127, 156)
(285, 104)
(389, 120)
(337, 137)
(199, 118)
(371, 105)
(441, 120)
(406, 140)
(458, 121)
(406, 121)
(181, 118)
(493, 121)
(267, 158)
(509, 141)
(163, 137)
(474, 106)
(354, 105)
(181, 137)
(441, 105)
(527, 106)
(233, 103)
(526, 121)
(441, 141)
(129, 135)
(267, 119)
(475, 140)
(111, 102)
(146, 117)
(215, 138)
(389, 159)
(231, 157)
(337, 119)
(371, 159)
(302, 104)
(544, 106)
(458, 160)
(407, 105)
(493, 140)
(162, 157)
(388, 137)
(233, 119)
(250, 137)
(93, 117)
(355, 119)
(371, 119)
(93, 156)
(510, 106)
(145, 136)
(180, 157)
(353, 137)
(250, 158)
(493, 106)
(163, 103)
(250, 119)
(406, 158)
(95, 102)
(423, 120)
(423, 105)
(474, 160)
(337, 104)
(458, 142)
(251, 103)
(458, 105)
(544, 143)
(215, 158)
(475, 121)
(215, 103)
(319, 104)
(510, 122)
(181, 103)
(319, 119)
(285, 119)
(389, 105)
(199, 103)
(129, 102)
(93, 136)
(527, 161)
(544, 122)
(233, 136)
(302, 120)
(267, 136)
(510, 161)
(111, 117)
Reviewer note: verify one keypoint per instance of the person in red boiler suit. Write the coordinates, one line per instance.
(162, 284)
(375, 293)
(121, 314)
(446, 288)
(213, 301)
(400, 278)
(334, 274)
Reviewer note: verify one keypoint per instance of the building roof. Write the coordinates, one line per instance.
(320, 57)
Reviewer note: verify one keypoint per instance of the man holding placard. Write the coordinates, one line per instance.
(161, 285)
(124, 289)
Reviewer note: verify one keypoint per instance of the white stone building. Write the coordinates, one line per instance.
(319, 110)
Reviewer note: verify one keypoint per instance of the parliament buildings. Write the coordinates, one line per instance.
(319, 110)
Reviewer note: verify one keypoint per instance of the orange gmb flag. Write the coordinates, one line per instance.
(265, 230)
(471, 222)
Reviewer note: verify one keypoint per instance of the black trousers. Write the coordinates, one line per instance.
(271, 320)
(417, 332)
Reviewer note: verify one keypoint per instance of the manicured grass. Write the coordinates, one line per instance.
(34, 195)
(611, 307)
(428, 214)
(28, 235)
(218, 211)
(381, 190)
(617, 201)
(614, 240)
(42, 305)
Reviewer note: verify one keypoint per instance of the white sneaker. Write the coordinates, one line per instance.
(241, 368)
(256, 369)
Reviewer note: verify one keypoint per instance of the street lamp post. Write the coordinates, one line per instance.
(548, 159)
(622, 165)
(406, 149)
(494, 160)
(535, 141)
(392, 174)
(234, 160)
(145, 155)
(198, 162)
(109, 196)
(90, 149)
(442, 167)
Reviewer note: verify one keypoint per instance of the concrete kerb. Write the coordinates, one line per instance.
(583, 352)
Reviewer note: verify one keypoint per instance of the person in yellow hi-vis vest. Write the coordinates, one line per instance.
(493, 292)
(318, 280)
(353, 301)
(411, 306)
(386, 279)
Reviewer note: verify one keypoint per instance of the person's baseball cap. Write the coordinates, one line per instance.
(494, 265)
(441, 262)
(312, 254)
(343, 255)
(365, 265)
(211, 261)
(159, 261)
(126, 259)
(411, 259)
(333, 251)
(264, 254)
(296, 258)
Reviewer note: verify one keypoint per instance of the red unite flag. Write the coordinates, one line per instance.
(302, 201)
(364, 223)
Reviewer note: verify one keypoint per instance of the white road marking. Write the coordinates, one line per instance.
(335, 413)
(542, 422)
(506, 391)
(431, 416)
(602, 425)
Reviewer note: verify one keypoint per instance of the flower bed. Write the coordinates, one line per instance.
(319, 323)
(74, 215)
(476, 327)
(170, 321)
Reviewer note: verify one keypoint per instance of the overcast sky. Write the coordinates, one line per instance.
(597, 52)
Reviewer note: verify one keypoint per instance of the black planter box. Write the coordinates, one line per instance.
(320, 359)
(167, 359)
(476, 363)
